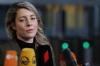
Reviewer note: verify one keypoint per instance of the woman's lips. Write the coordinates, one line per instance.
(29, 30)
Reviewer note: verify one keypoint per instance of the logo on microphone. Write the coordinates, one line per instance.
(9, 56)
(46, 56)
(25, 60)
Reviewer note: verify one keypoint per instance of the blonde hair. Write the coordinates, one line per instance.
(10, 20)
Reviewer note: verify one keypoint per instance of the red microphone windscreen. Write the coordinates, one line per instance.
(11, 58)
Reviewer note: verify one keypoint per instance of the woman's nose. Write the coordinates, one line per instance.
(28, 23)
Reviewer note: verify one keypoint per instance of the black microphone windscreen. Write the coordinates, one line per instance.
(44, 56)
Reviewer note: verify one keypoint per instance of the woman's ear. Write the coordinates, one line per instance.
(13, 26)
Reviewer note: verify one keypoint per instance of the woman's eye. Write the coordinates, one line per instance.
(21, 20)
(33, 18)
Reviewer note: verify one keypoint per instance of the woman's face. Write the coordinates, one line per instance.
(26, 24)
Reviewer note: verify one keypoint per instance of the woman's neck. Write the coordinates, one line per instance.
(27, 40)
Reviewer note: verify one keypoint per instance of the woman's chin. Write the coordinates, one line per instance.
(30, 36)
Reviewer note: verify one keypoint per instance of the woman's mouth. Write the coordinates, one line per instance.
(29, 30)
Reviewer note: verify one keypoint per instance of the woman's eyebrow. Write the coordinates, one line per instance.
(33, 15)
(25, 16)
(22, 17)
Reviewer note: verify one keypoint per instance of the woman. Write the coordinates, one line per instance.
(24, 27)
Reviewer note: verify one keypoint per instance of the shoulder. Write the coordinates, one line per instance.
(4, 44)
(9, 45)
(44, 47)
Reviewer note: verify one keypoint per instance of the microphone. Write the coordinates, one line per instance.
(44, 56)
(70, 58)
(27, 57)
(11, 58)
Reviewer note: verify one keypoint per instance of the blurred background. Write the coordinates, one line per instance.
(73, 24)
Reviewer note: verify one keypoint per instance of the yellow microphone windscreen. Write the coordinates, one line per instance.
(27, 57)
